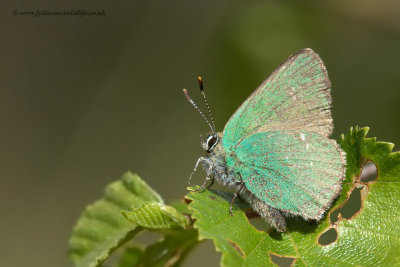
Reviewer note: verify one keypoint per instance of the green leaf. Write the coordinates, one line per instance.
(156, 216)
(101, 228)
(171, 250)
(370, 238)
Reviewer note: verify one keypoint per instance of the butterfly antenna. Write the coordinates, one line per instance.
(205, 100)
(197, 108)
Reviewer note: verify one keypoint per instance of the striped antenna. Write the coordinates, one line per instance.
(197, 108)
(205, 100)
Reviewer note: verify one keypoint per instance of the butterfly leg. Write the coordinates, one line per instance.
(208, 178)
(240, 183)
(212, 182)
(236, 194)
(195, 167)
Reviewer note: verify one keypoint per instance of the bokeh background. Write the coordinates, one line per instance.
(82, 100)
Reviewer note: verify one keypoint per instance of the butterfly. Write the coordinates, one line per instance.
(275, 151)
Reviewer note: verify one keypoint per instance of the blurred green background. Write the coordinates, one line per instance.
(82, 100)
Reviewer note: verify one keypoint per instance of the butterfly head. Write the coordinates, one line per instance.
(210, 142)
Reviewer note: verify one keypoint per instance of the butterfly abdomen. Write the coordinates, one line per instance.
(273, 216)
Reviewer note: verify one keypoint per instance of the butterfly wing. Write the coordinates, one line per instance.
(264, 142)
(298, 172)
(295, 96)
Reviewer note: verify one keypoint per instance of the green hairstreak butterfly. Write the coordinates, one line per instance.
(275, 150)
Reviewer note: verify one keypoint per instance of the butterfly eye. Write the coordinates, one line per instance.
(212, 140)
